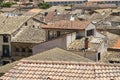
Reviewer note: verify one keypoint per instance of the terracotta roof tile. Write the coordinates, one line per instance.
(56, 70)
(50, 16)
(53, 16)
(66, 24)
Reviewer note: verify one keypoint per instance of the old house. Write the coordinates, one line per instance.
(63, 29)
(63, 32)
(18, 35)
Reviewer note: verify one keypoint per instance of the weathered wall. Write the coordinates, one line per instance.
(20, 46)
(2, 43)
(102, 49)
(61, 42)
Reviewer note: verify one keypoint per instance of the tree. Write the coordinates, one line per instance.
(7, 4)
(44, 6)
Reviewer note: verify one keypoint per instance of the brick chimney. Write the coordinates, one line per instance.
(86, 43)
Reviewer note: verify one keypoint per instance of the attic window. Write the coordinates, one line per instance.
(33, 26)
(90, 32)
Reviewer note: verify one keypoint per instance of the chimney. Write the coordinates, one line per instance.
(86, 43)
(45, 13)
(56, 11)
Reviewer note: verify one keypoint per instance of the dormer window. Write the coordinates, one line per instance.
(90, 32)
(5, 38)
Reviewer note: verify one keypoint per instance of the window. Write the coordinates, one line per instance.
(50, 34)
(5, 50)
(17, 50)
(58, 33)
(30, 50)
(23, 49)
(90, 32)
(5, 38)
(26, 23)
(99, 56)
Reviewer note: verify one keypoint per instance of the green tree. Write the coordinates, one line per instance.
(44, 6)
(7, 4)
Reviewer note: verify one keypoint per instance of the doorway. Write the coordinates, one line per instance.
(99, 57)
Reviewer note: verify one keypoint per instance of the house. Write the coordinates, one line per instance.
(62, 33)
(55, 54)
(19, 37)
(63, 70)
(63, 29)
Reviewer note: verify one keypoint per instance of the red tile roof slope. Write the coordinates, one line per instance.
(50, 16)
(66, 24)
(43, 70)
(54, 16)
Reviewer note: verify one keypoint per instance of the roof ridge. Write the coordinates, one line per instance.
(68, 62)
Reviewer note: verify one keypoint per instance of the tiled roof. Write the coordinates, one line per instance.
(113, 18)
(93, 17)
(55, 54)
(53, 16)
(67, 24)
(30, 35)
(57, 70)
(94, 44)
(61, 17)
(117, 45)
(10, 24)
(59, 8)
(111, 56)
(113, 38)
(32, 12)
(50, 16)
(7, 9)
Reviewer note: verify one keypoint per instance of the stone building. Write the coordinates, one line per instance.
(17, 36)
